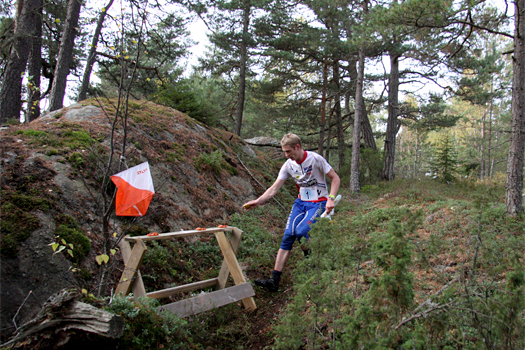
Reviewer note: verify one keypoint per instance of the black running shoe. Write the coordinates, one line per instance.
(268, 283)
(307, 252)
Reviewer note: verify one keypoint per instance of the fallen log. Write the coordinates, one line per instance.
(63, 317)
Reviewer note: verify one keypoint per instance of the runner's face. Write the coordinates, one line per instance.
(293, 153)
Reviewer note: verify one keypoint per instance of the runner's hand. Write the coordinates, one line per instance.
(330, 205)
(250, 205)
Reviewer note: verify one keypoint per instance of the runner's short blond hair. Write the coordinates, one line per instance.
(291, 140)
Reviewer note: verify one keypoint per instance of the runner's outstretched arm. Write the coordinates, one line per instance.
(266, 196)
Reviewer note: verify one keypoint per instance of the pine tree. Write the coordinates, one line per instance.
(91, 57)
(65, 55)
(235, 45)
(25, 27)
(444, 161)
(514, 192)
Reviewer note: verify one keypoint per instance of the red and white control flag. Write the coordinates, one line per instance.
(134, 190)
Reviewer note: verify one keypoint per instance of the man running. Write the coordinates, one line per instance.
(309, 171)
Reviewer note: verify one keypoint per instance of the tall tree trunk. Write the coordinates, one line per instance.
(489, 146)
(514, 186)
(392, 124)
(359, 112)
(34, 69)
(339, 116)
(10, 93)
(329, 136)
(242, 73)
(416, 156)
(366, 128)
(92, 53)
(323, 108)
(65, 55)
(483, 137)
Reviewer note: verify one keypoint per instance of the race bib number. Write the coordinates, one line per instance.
(308, 194)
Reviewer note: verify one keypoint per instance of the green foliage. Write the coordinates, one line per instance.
(146, 328)
(444, 162)
(358, 289)
(370, 167)
(229, 325)
(6, 32)
(157, 43)
(213, 161)
(51, 152)
(393, 255)
(181, 97)
(321, 283)
(429, 116)
(477, 86)
(68, 230)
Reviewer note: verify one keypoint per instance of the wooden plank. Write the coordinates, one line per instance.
(185, 288)
(131, 268)
(235, 242)
(229, 257)
(233, 266)
(170, 235)
(209, 301)
(138, 285)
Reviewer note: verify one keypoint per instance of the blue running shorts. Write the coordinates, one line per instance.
(303, 214)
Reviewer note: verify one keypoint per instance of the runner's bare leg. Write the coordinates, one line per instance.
(282, 258)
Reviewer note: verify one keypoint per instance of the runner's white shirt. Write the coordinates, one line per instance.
(309, 176)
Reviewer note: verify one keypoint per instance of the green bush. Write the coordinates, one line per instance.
(444, 164)
(213, 161)
(147, 328)
(357, 290)
(393, 255)
(68, 229)
(182, 98)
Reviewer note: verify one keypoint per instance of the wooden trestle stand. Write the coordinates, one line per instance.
(242, 290)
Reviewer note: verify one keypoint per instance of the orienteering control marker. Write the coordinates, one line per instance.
(134, 190)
